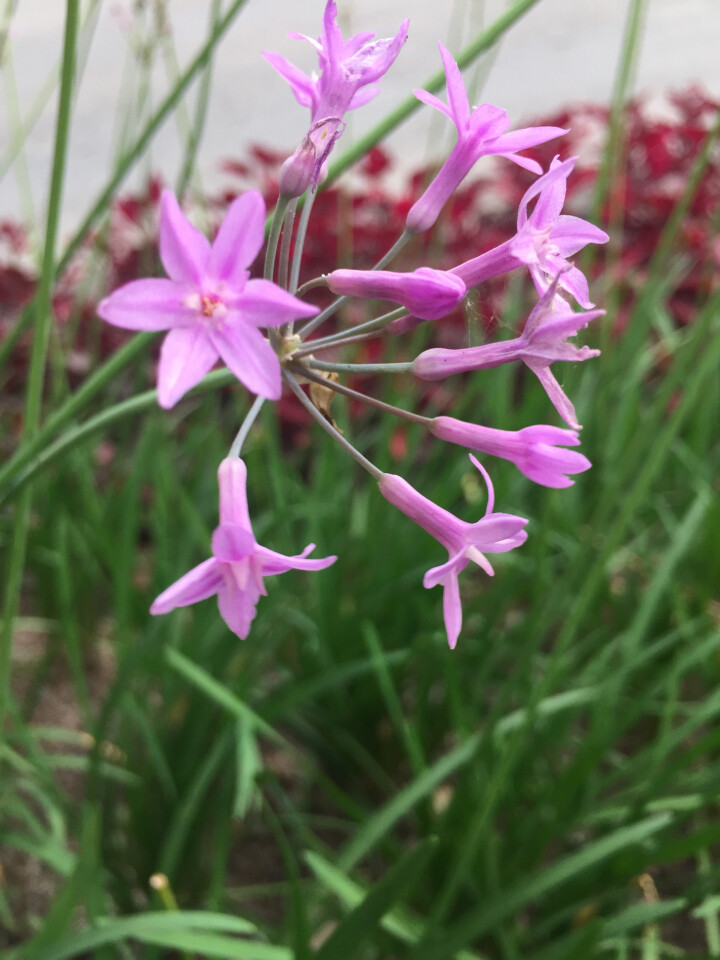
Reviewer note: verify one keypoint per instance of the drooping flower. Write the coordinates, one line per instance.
(481, 133)
(236, 569)
(208, 304)
(346, 78)
(427, 293)
(493, 533)
(543, 341)
(536, 451)
(546, 237)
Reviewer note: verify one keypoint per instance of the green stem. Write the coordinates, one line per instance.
(394, 250)
(300, 240)
(38, 359)
(272, 244)
(198, 125)
(363, 397)
(329, 428)
(354, 333)
(244, 430)
(284, 266)
(361, 367)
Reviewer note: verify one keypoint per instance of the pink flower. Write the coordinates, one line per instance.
(546, 237)
(209, 305)
(427, 293)
(543, 341)
(346, 80)
(347, 69)
(235, 571)
(493, 533)
(535, 451)
(481, 133)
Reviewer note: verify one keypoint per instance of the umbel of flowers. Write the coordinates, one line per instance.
(213, 311)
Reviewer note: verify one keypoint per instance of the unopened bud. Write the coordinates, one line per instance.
(297, 171)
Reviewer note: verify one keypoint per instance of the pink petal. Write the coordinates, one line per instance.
(550, 201)
(302, 86)
(494, 528)
(454, 565)
(153, 304)
(556, 394)
(452, 610)
(432, 101)
(527, 137)
(232, 479)
(273, 563)
(572, 280)
(571, 234)
(560, 172)
(488, 483)
(525, 162)
(239, 239)
(264, 304)
(364, 95)
(456, 92)
(184, 251)
(185, 357)
(250, 357)
(237, 607)
(232, 542)
(198, 584)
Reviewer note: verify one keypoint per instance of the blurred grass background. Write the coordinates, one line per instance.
(341, 785)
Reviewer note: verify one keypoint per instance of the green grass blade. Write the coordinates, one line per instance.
(353, 931)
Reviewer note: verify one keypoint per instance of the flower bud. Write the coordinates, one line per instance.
(297, 171)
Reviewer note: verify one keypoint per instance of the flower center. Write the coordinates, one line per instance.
(209, 304)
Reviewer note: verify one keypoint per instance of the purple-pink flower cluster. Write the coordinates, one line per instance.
(215, 311)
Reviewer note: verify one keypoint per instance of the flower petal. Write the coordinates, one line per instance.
(153, 304)
(185, 357)
(456, 92)
(452, 567)
(265, 304)
(560, 172)
(452, 610)
(302, 86)
(237, 607)
(239, 239)
(273, 563)
(364, 95)
(184, 251)
(198, 584)
(232, 542)
(250, 357)
(556, 394)
(435, 102)
(571, 234)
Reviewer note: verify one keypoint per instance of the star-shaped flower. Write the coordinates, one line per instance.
(481, 133)
(236, 569)
(543, 341)
(348, 69)
(493, 533)
(546, 237)
(208, 304)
